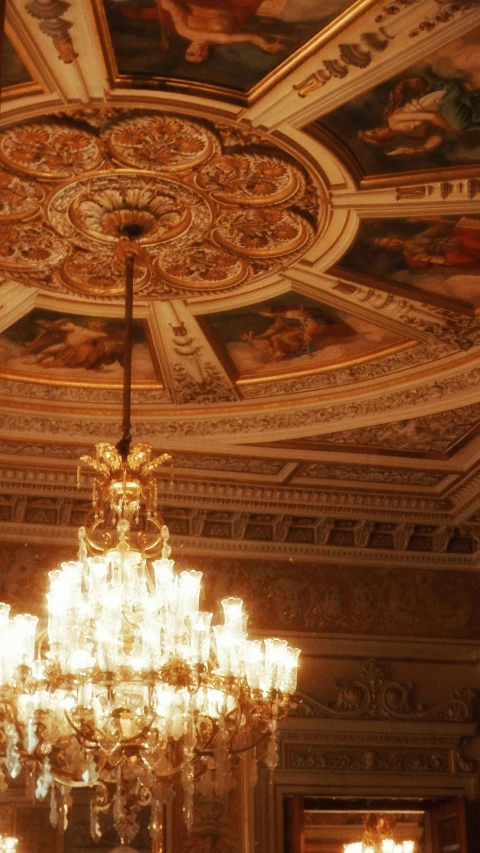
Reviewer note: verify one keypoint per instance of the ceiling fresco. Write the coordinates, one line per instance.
(13, 69)
(295, 333)
(231, 44)
(58, 347)
(436, 255)
(305, 187)
(426, 117)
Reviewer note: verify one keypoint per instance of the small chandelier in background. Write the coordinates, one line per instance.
(378, 837)
(129, 690)
(8, 844)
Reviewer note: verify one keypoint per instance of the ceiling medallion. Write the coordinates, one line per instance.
(213, 209)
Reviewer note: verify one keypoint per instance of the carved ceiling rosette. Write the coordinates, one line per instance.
(266, 233)
(207, 221)
(252, 179)
(91, 273)
(19, 199)
(50, 150)
(161, 143)
(30, 246)
(202, 267)
(96, 208)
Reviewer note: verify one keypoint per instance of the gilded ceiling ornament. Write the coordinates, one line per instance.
(163, 143)
(207, 219)
(19, 199)
(99, 207)
(266, 233)
(253, 179)
(27, 246)
(199, 267)
(91, 273)
(49, 149)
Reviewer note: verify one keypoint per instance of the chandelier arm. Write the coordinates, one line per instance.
(251, 745)
(81, 735)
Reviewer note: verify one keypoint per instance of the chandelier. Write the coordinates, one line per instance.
(129, 689)
(8, 844)
(378, 830)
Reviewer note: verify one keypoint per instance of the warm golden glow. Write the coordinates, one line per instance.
(8, 844)
(130, 689)
(387, 845)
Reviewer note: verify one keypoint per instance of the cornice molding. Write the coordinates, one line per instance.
(198, 545)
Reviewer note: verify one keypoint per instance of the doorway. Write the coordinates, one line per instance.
(317, 825)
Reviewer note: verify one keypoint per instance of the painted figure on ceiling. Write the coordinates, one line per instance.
(296, 331)
(64, 344)
(441, 243)
(209, 23)
(425, 115)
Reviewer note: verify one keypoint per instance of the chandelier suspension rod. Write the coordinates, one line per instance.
(123, 445)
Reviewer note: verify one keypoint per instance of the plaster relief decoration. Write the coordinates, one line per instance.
(436, 434)
(371, 474)
(13, 70)
(50, 14)
(230, 45)
(425, 118)
(294, 333)
(212, 215)
(374, 695)
(435, 255)
(47, 345)
(311, 596)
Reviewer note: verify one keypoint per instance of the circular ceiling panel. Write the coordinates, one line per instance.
(211, 213)
(50, 149)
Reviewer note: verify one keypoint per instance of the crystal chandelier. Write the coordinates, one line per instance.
(129, 689)
(378, 830)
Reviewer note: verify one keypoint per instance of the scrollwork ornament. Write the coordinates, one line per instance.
(95, 273)
(252, 179)
(374, 695)
(30, 247)
(163, 143)
(202, 268)
(19, 199)
(271, 232)
(49, 150)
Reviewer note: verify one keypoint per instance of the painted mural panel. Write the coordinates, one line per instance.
(439, 255)
(13, 69)
(227, 43)
(293, 333)
(426, 117)
(51, 346)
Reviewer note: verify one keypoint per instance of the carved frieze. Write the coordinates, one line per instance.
(408, 761)
(429, 433)
(370, 474)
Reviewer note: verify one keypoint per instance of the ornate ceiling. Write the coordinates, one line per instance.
(306, 341)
